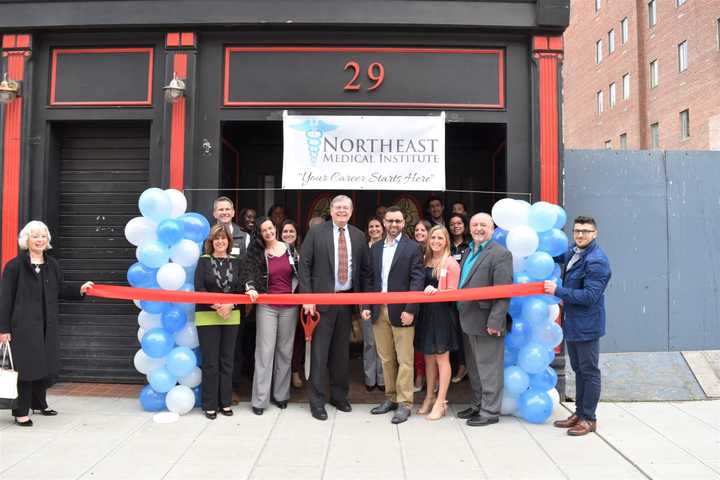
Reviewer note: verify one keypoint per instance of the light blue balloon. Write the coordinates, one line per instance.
(170, 231)
(153, 254)
(180, 361)
(544, 380)
(161, 380)
(515, 339)
(551, 355)
(510, 357)
(535, 311)
(561, 217)
(521, 278)
(539, 266)
(554, 242)
(157, 343)
(535, 406)
(154, 307)
(140, 276)
(500, 236)
(155, 204)
(533, 358)
(548, 334)
(542, 216)
(515, 380)
(174, 319)
(150, 400)
(196, 226)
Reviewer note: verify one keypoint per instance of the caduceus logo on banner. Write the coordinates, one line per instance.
(314, 131)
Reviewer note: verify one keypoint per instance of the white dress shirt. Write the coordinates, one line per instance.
(389, 249)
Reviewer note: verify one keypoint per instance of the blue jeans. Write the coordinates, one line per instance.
(584, 359)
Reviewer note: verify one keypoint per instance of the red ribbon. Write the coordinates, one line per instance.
(461, 295)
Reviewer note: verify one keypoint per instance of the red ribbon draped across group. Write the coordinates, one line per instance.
(462, 295)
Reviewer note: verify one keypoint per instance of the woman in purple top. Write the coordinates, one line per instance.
(272, 268)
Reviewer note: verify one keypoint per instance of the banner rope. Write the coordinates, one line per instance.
(174, 296)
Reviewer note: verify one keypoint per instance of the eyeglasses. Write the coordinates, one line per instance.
(392, 220)
(583, 232)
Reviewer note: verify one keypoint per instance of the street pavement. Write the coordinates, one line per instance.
(111, 438)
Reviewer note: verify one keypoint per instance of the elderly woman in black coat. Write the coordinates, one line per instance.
(31, 285)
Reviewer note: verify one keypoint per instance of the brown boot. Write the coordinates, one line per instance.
(583, 427)
(571, 421)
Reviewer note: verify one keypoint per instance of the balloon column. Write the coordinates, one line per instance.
(533, 234)
(169, 242)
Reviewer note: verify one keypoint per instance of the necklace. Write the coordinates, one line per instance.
(36, 267)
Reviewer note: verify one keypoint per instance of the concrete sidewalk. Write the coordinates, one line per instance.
(111, 438)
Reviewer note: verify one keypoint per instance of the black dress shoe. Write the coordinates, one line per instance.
(26, 423)
(381, 388)
(343, 405)
(210, 415)
(319, 413)
(478, 421)
(385, 407)
(281, 405)
(370, 388)
(257, 410)
(227, 412)
(467, 413)
(48, 412)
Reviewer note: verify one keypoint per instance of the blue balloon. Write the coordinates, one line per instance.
(157, 343)
(140, 276)
(535, 311)
(174, 319)
(556, 271)
(516, 381)
(516, 304)
(510, 357)
(542, 216)
(551, 355)
(170, 231)
(544, 380)
(549, 299)
(198, 355)
(535, 406)
(533, 358)
(514, 340)
(153, 254)
(549, 334)
(161, 380)
(150, 400)
(180, 361)
(196, 226)
(154, 307)
(554, 242)
(521, 278)
(198, 396)
(539, 266)
(561, 217)
(500, 236)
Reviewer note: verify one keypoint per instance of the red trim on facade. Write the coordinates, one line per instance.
(8, 41)
(462, 106)
(172, 40)
(12, 141)
(22, 41)
(548, 66)
(80, 51)
(177, 129)
(187, 39)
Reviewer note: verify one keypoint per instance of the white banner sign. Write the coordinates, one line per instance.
(363, 153)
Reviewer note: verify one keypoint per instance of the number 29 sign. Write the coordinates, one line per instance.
(375, 73)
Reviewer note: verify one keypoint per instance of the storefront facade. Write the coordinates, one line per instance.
(90, 128)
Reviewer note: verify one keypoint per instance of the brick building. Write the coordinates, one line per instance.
(642, 74)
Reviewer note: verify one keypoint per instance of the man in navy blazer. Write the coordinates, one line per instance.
(587, 272)
(397, 265)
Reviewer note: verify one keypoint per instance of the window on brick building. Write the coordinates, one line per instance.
(624, 30)
(683, 56)
(652, 13)
(717, 25)
(598, 4)
(612, 95)
(598, 51)
(679, 2)
(655, 135)
(608, 144)
(611, 41)
(626, 86)
(623, 141)
(599, 101)
(654, 74)
(684, 124)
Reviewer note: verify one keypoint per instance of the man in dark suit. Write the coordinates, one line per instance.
(484, 264)
(397, 267)
(587, 273)
(224, 213)
(334, 258)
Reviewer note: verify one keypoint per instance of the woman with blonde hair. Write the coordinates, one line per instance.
(436, 332)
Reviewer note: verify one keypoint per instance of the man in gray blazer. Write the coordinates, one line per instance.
(484, 264)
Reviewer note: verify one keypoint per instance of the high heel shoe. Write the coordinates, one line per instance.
(48, 412)
(439, 410)
(426, 405)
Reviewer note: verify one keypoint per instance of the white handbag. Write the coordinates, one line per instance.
(8, 377)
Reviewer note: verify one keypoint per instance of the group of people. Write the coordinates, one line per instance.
(401, 340)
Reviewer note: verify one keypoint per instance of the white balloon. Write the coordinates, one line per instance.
(149, 320)
(553, 312)
(187, 336)
(522, 241)
(509, 405)
(192, 379)
(185, 253)
(178, 202)
(171, 276)
(180, 399)
(555, 397)
(140, 230)
(146, 364)
(519, 264)
(509, 213)
(141, 332)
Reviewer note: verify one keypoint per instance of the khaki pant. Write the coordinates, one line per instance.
(395, 349)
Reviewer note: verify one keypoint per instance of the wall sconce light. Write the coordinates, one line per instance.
(175, 90)
(9, 89)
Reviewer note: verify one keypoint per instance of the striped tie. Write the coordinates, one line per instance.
(342, 257)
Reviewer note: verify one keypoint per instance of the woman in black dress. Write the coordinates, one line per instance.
(436, 331)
